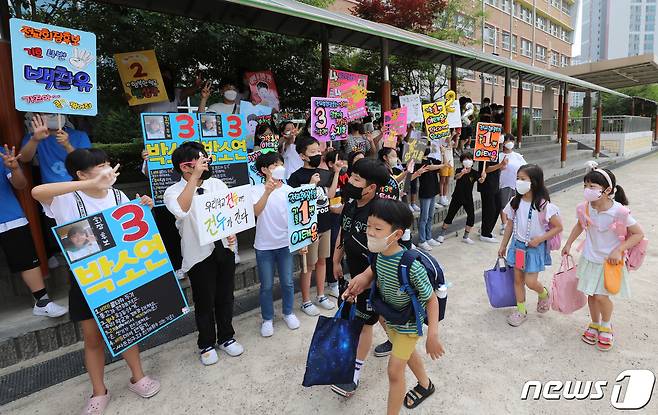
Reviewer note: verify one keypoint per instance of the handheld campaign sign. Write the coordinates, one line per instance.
(256, 177)
(140, 77)
(254, 116)
(121, 265)
(351, 86)
(414, 151)
(454, 112)
(329, 119)
(395, 123)
(487, 141)
(54, 68)
(436, 121)
(302, 217)
(218, 215)
(414, 107)
(263, 89)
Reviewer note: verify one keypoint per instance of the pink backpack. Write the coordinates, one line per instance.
(565, 297)
(634, 256)
(555, 243)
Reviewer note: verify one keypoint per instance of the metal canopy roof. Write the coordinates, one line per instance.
(297, 19)
(617, 73)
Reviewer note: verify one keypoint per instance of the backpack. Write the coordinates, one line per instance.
(414, 312)
(555, 243)
(634, 256)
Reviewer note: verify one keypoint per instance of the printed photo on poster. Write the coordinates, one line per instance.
(140, 77)
(156, 127)
(329, 118)
(254, 116)
(85, 237)
(54, 68)
(487, 141)
(211, 125)
(263, 89)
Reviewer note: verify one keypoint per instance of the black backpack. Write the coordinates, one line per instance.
(415, 311)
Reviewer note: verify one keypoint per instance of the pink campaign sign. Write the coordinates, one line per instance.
(351, 86)
(329, 119)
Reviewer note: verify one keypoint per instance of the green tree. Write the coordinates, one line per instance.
(615, 105)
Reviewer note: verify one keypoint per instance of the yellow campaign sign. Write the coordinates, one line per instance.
(140, 77)
(436, 121)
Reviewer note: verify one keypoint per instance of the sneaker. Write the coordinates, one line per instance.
(383, 349)
(209, 356)
(440, 239)
(411, 208)
(266, 329)
(332, 290)
(425, 246)
(544, 305)
(310, 309)
(96, 405)
(437, 206)
(325, 303)
(491, 239)
(232, 348)
(53, 262)
(180, 275)
(415, 207)
(446, 201)
(468, 241)
(51, 309)
(516, 319)
(433, 242)
(345, 389)
(291, 321)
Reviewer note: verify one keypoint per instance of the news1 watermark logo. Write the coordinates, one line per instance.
(637, 391)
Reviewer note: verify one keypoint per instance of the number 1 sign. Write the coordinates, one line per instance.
(302, 217)
(329, 119)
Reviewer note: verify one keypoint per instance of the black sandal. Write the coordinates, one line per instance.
(417, 395)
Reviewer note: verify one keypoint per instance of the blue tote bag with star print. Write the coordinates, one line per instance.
(332, 353)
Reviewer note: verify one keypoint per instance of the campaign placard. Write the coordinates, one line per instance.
(121, 265)
(395, 123)
(256, 177)
(351, 86)
(254, 115)
(414, 151)
(302, 217)
(436, 121)
(487, 141)
(263, 89)
(140, 77)
(453, 110)
(414, 107)
(218, 215)
(329, 118)
(54, 68)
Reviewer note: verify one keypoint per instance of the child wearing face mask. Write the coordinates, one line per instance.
(528, 253)
(90, 192)
(228, 104)
(506, 187)
(318, 252)
(604, 202)
(387, 221)
(462, 196)
(271, 242)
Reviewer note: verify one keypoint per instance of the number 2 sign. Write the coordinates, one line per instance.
(140, 77)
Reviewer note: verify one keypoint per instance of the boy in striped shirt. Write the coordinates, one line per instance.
(387, 221)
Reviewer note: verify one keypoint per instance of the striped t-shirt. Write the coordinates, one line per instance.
(389, 287)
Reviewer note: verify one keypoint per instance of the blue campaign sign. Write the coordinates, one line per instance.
(256, 177)
(54, 68)
(302, 217)
(121, 265)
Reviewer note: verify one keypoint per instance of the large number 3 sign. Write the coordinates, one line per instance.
(136, 222)
(234, 126)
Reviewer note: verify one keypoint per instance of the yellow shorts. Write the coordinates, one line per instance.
(446, 171)
(403, 344)
(321, 248)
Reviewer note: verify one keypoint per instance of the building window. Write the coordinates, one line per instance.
(466, 74)
(490, 79)
(634, 44)
(526, 15)
(648, 43)
(506, 5)
(466, 25)
(541, 53)
(539, 88)
(555, 29)
(515, 83)
(564, 61)
(526, 86)
(489, 35)
(555, 58)
(566, 36)
(540, 23)
(526, 48)
(556, 3)
(506, 43)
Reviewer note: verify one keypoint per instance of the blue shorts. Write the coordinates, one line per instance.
(536, 259)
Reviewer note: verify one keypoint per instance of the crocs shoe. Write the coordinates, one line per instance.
(516, 319)
(96, 405)
(591, 334)
(145, 387)
(544, 305)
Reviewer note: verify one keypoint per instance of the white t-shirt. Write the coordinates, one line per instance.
(165, 106)
(600, 240)
(193, 253)
(272, 223)
(221, 108)
(508, 174)
(64, 208)
(521, 220)
(292, 161)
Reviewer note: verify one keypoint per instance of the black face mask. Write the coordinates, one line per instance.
(351, 192)
(315, 161)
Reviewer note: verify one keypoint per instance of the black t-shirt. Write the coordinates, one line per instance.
(492, 181)
(303, 176)
(354, 223)
(428, 182)
(392, 189)
(464, 185)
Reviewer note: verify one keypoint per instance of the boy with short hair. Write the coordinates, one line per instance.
(211, 267)
(387, 221)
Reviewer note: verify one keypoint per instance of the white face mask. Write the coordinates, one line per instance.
(523, 187)
(392, 161)
(509, 145)
(53, 124)
(467, 163)
(378, 245)
(230, 95)
(279, 173)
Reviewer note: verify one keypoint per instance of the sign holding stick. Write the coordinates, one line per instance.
(328, 119)
(121, 265)
(487, 140)
(140, 77)
(218, 215)
(302, 217)
(54, 68)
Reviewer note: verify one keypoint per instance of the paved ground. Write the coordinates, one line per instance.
(486, 364)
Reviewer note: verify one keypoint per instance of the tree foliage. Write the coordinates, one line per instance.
(415, 15)
(615, 105)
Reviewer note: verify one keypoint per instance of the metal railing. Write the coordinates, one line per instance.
(587, 125)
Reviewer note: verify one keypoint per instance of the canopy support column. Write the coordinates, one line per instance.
(519, 111)
(507, 100)
(386, 82)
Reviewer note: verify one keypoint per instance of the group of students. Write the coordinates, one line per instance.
(372, 216)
